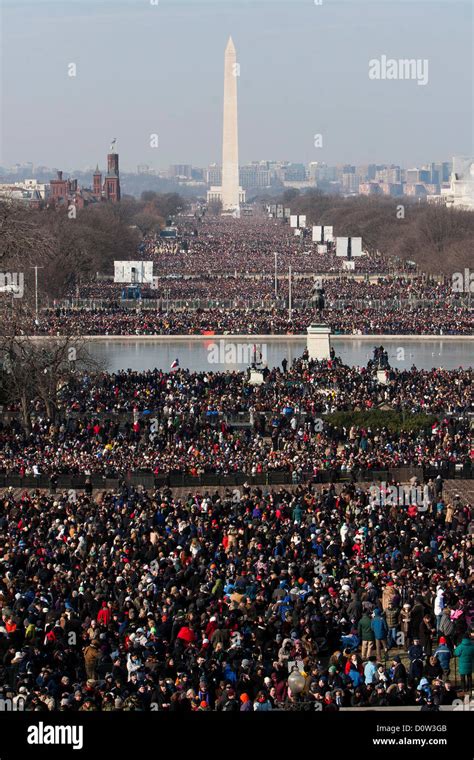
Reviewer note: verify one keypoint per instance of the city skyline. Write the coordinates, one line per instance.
(89, 168)
(436, 181)
(304, 72)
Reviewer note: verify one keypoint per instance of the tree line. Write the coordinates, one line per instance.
(67, 251)
(439, 239)
(71, 250)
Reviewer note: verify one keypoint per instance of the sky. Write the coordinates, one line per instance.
(155, 67)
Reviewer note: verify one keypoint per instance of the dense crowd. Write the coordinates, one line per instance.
(338, 289)
(220, 277)
(440, 319)
(305, 597)
(247, 244)
(182, 421)
(244, 601)
(91, 446)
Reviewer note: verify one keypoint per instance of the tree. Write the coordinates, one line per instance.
(290, 195)
(147, 223)
(165, 204)
(35, 368)
(87, 244)
(23, 240)
(437, 238)
(215, 207)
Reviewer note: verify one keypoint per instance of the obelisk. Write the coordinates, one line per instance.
(230, 144)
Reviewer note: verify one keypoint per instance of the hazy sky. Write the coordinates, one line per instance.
(145, 69)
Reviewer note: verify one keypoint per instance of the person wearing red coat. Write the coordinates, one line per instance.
(103, 616)
(186, 635)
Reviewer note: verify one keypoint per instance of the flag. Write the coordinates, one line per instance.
(175, 364)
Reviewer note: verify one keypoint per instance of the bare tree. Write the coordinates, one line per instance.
(437, 238)
(35, 367)
(215, 207)
(23, 239)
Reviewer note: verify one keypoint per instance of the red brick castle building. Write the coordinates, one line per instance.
(66, 192)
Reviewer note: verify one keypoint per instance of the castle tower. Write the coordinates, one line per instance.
(112, 178)
(97, 183)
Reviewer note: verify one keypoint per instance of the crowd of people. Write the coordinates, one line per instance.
(92, 446)
(443, 319)
(248, 244)
(339, 290)
(182, 421)
(301, 597)
(239, 601)
(221, 278)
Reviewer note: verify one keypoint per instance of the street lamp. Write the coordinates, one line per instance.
(36, 288)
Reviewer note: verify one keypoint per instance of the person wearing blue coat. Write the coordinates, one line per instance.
(380, 630)
(444, 654)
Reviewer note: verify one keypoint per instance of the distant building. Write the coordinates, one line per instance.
(460, 193)
(389, 174)
(445, 171)
(60, 189)
(312, 171)
(324, 173)
(370, 188)
(416, 189)
(431, 189)
(254, 175)
(30, 191)
(393, 189)
(415, 176)
(371, 171)
(181, 171)
(350, 181)
(97, 184)
(214, 194)
(63, 192)
(298, 184)
(29, 194)
(112, 178)
(294, 173)
(214, 174)
(33, 184)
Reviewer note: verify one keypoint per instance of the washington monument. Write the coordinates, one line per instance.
(229, 193)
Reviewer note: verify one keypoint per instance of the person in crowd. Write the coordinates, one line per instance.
(444, 654)
(380, 631)
(465, 652)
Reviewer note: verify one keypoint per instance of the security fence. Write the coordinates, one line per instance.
(255, 304)
(179, 479)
